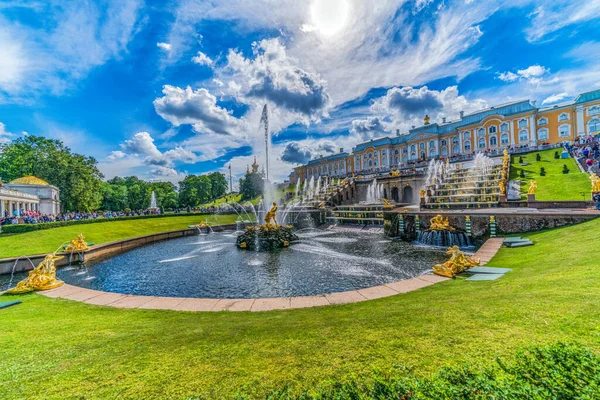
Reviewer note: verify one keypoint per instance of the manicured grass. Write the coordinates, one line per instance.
(56, 349)
(555, 185)
(46, 241)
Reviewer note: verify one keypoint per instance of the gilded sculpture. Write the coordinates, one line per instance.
(270, 216)
(77, 245)
(595, 183)
(439, 223)
(502, 187)
(43, 277)
(422, 192)
(458, 263)
(532, 187)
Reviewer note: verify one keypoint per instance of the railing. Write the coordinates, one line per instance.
(17, 194)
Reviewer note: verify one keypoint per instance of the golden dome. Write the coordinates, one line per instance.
(29, 180)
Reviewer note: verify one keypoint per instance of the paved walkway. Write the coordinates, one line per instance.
(100, 298)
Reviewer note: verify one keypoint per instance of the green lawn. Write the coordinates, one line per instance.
(46, 241)
(555, 185)
(60, 349)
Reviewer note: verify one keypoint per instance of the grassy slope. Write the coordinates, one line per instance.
(52, 348)
(46, 241)
(555, 185)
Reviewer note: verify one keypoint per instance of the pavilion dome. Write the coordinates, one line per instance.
(29, 180)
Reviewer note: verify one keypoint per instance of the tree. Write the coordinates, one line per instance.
(194, 190)
(114, 196)
(218, 184)
(251, 185)
(77, 176)
(138, 193)
(166, 195)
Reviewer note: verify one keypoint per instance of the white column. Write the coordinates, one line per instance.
(511, 128)
(532, 130)
(580, 128)
(461, 143)
(1, 208)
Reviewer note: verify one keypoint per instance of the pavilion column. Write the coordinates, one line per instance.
(1, 208)
(533, 129)
(511, 126)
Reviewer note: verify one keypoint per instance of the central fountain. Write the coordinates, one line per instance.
(269, 236)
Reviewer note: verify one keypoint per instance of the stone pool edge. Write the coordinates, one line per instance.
(117, 300)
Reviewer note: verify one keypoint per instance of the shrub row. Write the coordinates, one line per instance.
(22, 228)
(559, 371)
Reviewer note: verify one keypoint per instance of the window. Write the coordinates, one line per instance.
(423, 155)
(412, 148)
(481, 132)
(543, 134)
(432, 152)
(384, 160)
(444, 142)
(492, 129)
(467, 133)
(593, 110)
(564, 130)
(504, 127)
(396, 151)
(493, 141)
(542, 121)
(405, 158)
(397, 159)
(563, 117)
(523, 135)
(383, 152)
(432, 144)
(365, 156)
(405, 150)
(370, 163)
(467, 145)
(454, 140)
(504, 139)
(455, 149)
(481, 143)
(444, 151)
(422, 146)
(594, 125)
(523, 123)
(413, 156)
(370, 155)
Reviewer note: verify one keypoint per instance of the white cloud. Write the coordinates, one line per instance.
(532, 74)
(508, 76)
(202, 59)
(554, 15)
(116, 155)
(555, 98)
(198, 108)
(275, 77)
(164, 46)
(72, 40)
(5, 136)
(534, 71)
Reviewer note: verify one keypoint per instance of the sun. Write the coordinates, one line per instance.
(329, 16)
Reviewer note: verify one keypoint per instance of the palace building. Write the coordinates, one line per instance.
(29, 194)
(513, 125)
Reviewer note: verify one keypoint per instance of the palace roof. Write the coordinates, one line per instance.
(29, 180)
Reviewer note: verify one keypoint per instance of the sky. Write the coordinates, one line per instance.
(162, 89)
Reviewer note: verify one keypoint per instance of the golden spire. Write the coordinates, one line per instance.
(427, 119)
(255, 166)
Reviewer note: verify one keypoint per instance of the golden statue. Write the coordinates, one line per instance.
(385, 201)
(395, 173)
(270, 216)
(422, 193)
(532, 187)
(43, 277)
(77, 245)
(502, 187)
(458, 263)
(439, 223)
(595, 183)
(426, 120)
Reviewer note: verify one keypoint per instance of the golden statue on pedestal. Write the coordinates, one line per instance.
(395, 173)
(595, 183)
(532, 187)
(502, 187)
(458, 263)
(77, 245)
(439, 223)
(270, 216)
(43, 277)
(422, 192)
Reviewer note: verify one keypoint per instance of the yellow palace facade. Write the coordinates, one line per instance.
(513, 125)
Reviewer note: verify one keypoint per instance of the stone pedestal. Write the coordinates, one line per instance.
(502, 198)
(531, 197)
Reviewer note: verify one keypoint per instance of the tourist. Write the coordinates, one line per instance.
(596, 198)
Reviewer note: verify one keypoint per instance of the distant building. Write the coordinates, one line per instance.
(515, 124)
(29, 193)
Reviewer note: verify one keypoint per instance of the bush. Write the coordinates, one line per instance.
(556, 155)
(522, 174)
(22, 228)
(565, 170)
(538, 157)
(559, 371)
(542, 171)
(520, 159)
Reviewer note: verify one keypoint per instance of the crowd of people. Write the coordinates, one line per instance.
(33, 217)
(587, 152)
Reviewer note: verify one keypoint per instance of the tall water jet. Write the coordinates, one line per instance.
(374, 193)
(153, 202)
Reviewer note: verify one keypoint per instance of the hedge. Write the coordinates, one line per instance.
(22, 228)
(558, 371)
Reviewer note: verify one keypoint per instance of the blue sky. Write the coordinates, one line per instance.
(161, 89)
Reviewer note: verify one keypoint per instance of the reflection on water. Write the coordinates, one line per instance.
(212, 267)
